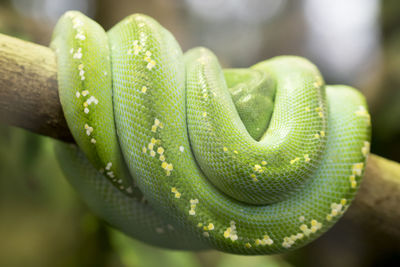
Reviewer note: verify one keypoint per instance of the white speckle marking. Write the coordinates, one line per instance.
(80, 36)
(108, 166)
(230, 232)
(77, 54)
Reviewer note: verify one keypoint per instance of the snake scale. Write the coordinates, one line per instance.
(177, 152)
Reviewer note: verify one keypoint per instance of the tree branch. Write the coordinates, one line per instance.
(28, 89)
(29, 99)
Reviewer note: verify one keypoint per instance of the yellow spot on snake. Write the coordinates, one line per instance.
(151, 64)
(136, 48)
(263, 163)
(204, 114)
(319, 111)
(89, 129)
(293, 161)
(175, 191)
(365, 149)
(336, 209)
(169, 167)
(357, 168)
(230, 232)
(306, 158)
(160, 150)
(227, 232)
(362, 112)
(257, 168)
(193, 203)
(265, 241)
(225, 149)
(300, 236)
(144, 89)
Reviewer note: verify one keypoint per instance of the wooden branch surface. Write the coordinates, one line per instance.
(28, 89)
(29, 99)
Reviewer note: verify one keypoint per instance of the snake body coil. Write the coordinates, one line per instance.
(179, 153)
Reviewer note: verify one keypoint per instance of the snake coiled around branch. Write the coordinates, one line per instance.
(180, 153)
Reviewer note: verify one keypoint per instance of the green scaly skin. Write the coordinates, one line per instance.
(247, 161)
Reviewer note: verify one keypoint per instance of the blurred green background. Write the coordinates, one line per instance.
(43, 222)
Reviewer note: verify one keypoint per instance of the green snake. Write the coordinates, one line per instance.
(177, 152)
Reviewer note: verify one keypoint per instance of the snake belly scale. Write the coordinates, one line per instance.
(180, 153)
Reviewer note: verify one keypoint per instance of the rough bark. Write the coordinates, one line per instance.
(28, 89)
(377, 204)
(29, 99)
